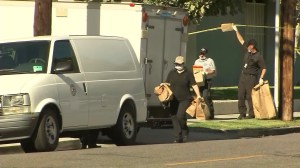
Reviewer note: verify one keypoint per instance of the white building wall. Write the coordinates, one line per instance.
(69, 19)
(16, 19)
(125, 18)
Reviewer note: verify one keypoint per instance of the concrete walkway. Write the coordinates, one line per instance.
(228, 107)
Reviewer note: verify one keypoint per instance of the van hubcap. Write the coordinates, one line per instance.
(128, 125)
(51, 130)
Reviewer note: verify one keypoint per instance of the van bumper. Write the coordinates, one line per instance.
(16, 127)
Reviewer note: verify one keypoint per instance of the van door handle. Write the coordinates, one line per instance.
(146, 61)
(149, 63)
(149, 26)
(84, 88)
(180, 29)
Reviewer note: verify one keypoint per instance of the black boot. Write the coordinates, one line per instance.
(241, 116)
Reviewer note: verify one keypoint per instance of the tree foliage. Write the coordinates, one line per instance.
(199, 8)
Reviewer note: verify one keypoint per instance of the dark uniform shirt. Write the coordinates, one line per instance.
(181, 83)
(253, 63)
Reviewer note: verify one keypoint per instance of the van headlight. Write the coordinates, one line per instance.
(15, 104)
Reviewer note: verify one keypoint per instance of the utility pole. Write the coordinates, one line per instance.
(288, 11)
(42, 17)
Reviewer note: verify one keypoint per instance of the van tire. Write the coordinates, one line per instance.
(47, 134)
(28, 146)
(125, 131)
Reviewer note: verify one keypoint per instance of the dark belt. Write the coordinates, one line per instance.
(248, 74)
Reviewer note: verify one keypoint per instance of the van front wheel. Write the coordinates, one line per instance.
(46, 136)
(125, 131)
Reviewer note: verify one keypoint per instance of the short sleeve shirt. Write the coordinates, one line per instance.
(206, 63)
(253, 63)
(181, 83)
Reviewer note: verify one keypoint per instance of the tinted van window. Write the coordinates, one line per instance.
(63, 51)
(24, 57)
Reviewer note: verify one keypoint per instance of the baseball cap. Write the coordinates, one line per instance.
(203, 51)
(179, 60)
(251, 42)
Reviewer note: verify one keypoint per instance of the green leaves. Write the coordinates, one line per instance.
(199, 8)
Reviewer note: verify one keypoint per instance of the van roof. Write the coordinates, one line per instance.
(60, 37)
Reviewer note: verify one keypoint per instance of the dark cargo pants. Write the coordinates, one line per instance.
(179, 119)
(246, 83)
(206, 94)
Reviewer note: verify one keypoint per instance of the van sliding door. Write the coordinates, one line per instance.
(71, 88)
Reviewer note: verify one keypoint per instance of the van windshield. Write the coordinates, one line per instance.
(24, 57)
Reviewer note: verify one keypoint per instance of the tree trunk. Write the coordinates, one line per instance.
(42, 17)
(288, 9)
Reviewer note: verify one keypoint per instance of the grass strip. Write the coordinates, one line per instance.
(244, 124)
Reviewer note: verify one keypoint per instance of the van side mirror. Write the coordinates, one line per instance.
(63, 66)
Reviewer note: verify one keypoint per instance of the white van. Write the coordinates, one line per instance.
(66, 86)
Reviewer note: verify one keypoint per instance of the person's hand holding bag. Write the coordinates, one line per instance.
(234, 27)
(261, 81)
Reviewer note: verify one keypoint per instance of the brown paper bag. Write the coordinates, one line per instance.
(191, 110)
(163, 92)
(225, 27)
(197, 70)
(202, 111)
(262, 100)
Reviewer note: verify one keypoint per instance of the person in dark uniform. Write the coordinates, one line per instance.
(181, 80)
(254, 63)
(209, 71)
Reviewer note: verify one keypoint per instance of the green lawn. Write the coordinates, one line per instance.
(244, 124)
(230, 93)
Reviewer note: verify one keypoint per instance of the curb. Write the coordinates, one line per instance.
(64, 144)
(250, 132)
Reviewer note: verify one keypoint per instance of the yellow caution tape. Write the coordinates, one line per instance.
(206, 30)
(228, 26)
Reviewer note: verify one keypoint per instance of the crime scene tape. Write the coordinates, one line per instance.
(228, 27)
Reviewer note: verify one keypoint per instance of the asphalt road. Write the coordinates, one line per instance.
(155, 149)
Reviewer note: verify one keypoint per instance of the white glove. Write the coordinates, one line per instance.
(261, 81)
(168, 84)
(200, 98)
(234, 27)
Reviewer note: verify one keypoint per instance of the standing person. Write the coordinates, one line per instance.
(209, 71)
(181, 80)
(254, 63)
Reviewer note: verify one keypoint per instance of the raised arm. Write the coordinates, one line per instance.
(238, 34)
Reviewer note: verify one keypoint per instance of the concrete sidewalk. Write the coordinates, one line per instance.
(229, 107)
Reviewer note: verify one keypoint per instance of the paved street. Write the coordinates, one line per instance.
(162, 136)
(155, 149)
